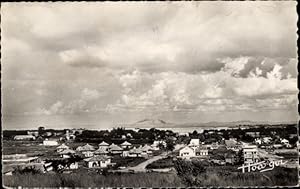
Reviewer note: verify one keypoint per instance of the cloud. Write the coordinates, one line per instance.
(178, 91)
(180, 58)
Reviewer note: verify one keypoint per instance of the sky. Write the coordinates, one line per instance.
(96, 65)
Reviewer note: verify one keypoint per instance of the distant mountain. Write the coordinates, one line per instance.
(150, 123)
(158, 123)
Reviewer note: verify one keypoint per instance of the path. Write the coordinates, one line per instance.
(142, 166)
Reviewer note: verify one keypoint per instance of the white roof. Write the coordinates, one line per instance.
(63, 146)
(103, 143)
(186, 148)
(126, 144)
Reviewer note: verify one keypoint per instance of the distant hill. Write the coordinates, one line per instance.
(158, 123)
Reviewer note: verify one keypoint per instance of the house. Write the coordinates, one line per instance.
(201, 151)
(86, 150)
(250, 154)
(276, 146)
(147, 149)
(186, 152)
(230, 158)
(231, 144)
(62, 148)
(253, 134)
(115, 149)
(258, 141)
(135, 152)
(103, 145)
(267, 140)
(34, 133)
(24, 137)
(98, 162)
(194, 142)
(214, 146)
(48, 142)
(67, 153)
(284, 141)
(126, 145)
(101, 151)
(125, 153)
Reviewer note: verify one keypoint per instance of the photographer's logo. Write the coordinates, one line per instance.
(261, 166)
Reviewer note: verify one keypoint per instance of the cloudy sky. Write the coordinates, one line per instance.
(98, 64)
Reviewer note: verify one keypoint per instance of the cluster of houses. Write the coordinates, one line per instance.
(203, 151)
(265, 142)
(101, 157)
(49, 138)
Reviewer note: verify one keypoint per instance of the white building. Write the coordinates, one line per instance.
(98, 162)
(67, 153)
(62, 148)
(250, 154)
(24, 137)
(126, 145)
(103, 145)
(187, 152)
(87, 150)
(47, 142)
(194, 142)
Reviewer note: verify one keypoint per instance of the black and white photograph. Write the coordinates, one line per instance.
(149, 94)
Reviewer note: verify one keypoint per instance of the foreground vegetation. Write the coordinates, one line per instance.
(201, 173)
(93, 180)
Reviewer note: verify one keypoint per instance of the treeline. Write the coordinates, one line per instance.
(211, 135)
(118, 135)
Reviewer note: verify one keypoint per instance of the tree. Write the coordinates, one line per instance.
(170, 145)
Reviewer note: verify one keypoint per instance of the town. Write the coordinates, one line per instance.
(133, 151)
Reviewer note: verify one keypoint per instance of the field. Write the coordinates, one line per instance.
(93, 180)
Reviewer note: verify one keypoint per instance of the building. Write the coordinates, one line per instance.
(253, 134)
(34, 133)
(146, 149)
(201, 152)
(103, 145)
(67, 153)
(230, 158)
(186, 152)
(48, 142)
(284, 141)
(87, 150)
(115, 149)
(62, 148)
(24, 137)
(98, 162)
(258, 141)
(126, 145)
(250, 154)
(267, 140)
(194, 142)
(101, 151)
(232, 144)
(135, 152)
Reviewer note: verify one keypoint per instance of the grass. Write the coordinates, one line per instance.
(161, 163)
(200, 174)
(127, 161)
(93, 180)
